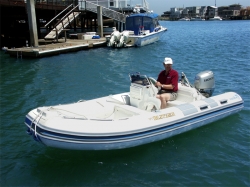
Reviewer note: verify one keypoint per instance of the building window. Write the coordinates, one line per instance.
(111, 3)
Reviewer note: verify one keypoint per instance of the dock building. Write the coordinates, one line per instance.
(82, 17)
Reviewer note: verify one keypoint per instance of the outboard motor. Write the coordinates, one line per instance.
(115, 38)
(124, 39)
(204, 83)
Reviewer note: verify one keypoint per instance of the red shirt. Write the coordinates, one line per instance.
(171, 78)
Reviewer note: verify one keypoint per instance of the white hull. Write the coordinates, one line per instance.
(215, 19)
(184, 19)
(138, 40)
(133, 139)
(142, 40)
(197, 19)
(124, 120)
(141, 29)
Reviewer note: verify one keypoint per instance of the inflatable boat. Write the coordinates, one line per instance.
(132, 118)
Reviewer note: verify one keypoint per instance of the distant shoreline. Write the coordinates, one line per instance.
(167, 19)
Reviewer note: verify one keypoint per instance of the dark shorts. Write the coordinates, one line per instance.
(173, 95)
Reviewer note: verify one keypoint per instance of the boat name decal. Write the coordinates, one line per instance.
(162, 116)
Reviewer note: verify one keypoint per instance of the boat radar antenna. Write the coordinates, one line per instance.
(145, 5)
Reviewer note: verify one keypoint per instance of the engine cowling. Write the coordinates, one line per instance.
(205, 83)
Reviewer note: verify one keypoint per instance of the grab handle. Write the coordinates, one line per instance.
(203, 107)
(223, 101)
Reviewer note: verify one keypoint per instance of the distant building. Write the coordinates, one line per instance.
(211, 12)
(245, 13)
(194, 11)
(230, 11)
(175, 13)
(166, 14)
(203, 11)
(185, 13)
(226, 12)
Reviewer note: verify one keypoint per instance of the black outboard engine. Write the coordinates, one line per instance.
(204, 83)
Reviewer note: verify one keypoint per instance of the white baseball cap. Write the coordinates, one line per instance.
(168, 61)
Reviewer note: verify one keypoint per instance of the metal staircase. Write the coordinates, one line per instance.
(72, 14)
(62, 23)
(85, 5)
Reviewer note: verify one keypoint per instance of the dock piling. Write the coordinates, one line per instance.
(32, 22)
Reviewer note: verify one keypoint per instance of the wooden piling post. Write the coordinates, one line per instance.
(32, 23)
(100, 22)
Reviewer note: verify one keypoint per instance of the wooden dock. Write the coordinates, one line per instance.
(49, 48)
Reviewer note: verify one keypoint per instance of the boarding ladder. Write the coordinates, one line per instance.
(86, 5)
(63, 22)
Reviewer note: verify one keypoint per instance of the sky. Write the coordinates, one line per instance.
(160, 6)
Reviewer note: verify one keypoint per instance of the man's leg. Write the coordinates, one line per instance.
(164, 99)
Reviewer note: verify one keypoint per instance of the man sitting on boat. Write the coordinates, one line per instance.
(167, 82)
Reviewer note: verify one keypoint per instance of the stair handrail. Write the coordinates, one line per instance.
(66, 15)
(105, 11)
(58, 15)
(63, 18)
(120, 17)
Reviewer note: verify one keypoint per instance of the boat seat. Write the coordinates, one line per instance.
(142, 97)
(185, 95)
(174, 103)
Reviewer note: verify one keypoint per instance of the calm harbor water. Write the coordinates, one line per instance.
(214, 155)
